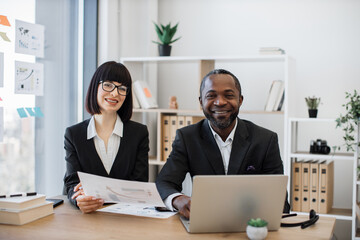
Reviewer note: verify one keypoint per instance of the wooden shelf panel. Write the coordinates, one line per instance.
(314, 120)
(196, 112)
(156, 162)
(261, 58)
(336, 156)
(338, 213)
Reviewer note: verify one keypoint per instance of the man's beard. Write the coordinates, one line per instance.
(221, 123)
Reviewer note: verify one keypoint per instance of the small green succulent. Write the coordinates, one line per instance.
(166, 33)
(257, 222)
(312, 102)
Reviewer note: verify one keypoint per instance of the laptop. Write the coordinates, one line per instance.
(225, 203)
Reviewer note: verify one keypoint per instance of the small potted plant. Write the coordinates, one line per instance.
(313, 104)
(257, 229)
(165, 34)
(350, 121)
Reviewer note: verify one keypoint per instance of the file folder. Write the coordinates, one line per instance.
(314, 186)
(296, 186)
(305, 194)
(165, 124)
(326, 184)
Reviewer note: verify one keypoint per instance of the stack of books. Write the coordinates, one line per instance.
(19, 210)
(271, 51)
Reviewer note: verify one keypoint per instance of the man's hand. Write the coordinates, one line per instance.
(182, 203)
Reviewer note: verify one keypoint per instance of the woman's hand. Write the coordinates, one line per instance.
(87, 204)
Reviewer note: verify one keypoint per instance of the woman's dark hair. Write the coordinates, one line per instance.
(111, 71)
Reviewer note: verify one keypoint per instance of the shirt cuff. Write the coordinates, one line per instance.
(168, 201)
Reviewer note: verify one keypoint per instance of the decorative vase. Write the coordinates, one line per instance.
(256, 233)
(164, 50)
(313, 113)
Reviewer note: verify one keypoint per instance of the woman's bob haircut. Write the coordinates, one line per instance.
(113, 72)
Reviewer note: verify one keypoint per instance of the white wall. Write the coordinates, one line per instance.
(323, 36)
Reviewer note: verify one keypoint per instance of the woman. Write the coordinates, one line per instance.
(108, 144)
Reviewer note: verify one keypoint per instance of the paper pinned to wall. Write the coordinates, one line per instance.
(29, 78)
(29, 38)
(1, 124)
(1, 69)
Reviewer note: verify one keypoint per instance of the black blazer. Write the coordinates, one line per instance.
(131, 162)
(255, 150)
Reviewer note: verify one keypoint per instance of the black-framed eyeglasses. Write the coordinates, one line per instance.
(109, 87)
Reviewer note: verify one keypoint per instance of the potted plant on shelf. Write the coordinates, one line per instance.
(313, 104)
(165, 34)
(350, 121)
(257, 229)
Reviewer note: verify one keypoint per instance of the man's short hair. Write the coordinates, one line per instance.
(113, 72)
(220, 71)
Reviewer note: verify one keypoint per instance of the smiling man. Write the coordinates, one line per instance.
(218, 145)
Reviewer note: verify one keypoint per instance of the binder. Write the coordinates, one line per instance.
(165, 124)
(326, 184)
(181, 122)
(314, 186)
(296, 186)
(305, 180)
(173, 128)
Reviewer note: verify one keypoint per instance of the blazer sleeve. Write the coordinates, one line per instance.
(173, 173)
(141, 169)
(71, 178)
(273, 163)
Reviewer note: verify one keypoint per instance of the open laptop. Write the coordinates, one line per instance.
(227, 203)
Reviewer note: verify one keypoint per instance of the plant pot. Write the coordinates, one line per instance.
(256, 233)
(313, 113)
(164, 50)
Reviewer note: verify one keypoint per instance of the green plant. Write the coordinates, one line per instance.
(166, 33)
(312, 102)
(350, 120)
(257, 222)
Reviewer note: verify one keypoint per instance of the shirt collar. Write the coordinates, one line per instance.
(231, 135)
(118, 128)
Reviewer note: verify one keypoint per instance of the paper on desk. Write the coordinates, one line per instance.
(113, 190)
(136, 210)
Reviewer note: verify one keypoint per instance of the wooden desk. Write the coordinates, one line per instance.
(69, 223)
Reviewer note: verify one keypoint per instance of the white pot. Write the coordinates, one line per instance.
(256, 233)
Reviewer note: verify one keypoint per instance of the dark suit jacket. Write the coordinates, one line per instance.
(131, 162)
(255, 150)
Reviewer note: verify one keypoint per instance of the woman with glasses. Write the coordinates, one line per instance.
(108, 144)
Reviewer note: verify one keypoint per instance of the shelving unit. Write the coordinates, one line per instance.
(294, 153)
(356, 185)
(146, 68)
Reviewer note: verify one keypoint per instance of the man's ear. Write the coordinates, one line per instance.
(241, 99)
(200, 101)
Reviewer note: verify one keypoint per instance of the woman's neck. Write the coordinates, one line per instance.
(105, 122)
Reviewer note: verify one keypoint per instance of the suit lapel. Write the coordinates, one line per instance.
(211, 148)
(239, 148)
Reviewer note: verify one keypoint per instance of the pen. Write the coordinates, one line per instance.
(19, 195)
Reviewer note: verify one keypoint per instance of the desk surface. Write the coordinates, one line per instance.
(69, 223)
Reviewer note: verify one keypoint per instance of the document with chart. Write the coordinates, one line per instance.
(132, 197)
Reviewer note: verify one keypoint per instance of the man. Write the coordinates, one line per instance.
(218, 145)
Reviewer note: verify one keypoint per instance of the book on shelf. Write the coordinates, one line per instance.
(305, 185)
(275, 94)
(144, 95)
(314, 186)
(271, 51)
(21, 202)
(26, 215)
(296, 186)
(165, 136)
(136, 103)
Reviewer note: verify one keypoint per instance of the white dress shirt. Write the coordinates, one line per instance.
(225, 150)
(108, 155)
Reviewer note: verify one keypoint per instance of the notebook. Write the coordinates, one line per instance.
(226, 203)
